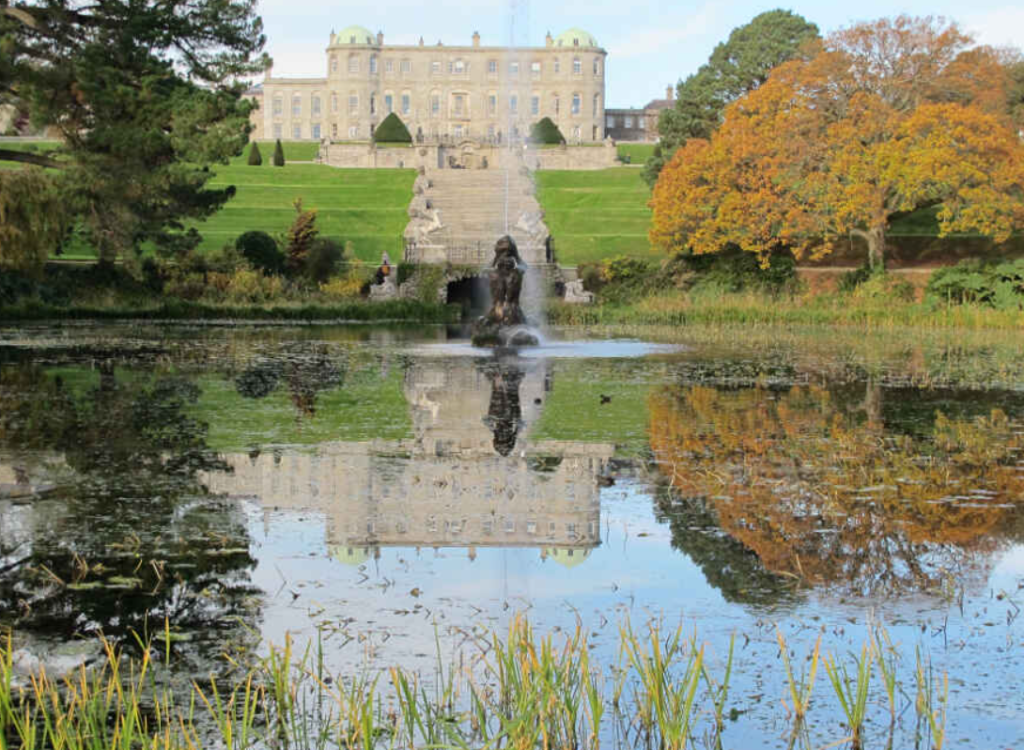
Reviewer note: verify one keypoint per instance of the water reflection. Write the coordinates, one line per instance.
(823, 491)
(455, 483)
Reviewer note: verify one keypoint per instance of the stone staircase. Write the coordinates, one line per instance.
(457, 215)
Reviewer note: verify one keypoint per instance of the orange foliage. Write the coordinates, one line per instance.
(883, 119)
(826, 497)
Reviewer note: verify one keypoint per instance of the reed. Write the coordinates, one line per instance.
(800, 688)
(852, 692)
(932, 700)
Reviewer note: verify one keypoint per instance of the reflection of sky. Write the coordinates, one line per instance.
(393, 607)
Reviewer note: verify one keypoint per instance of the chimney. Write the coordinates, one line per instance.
(476, 38)
(421, 41)
(380, 38)
(549, 41)
(670, 92)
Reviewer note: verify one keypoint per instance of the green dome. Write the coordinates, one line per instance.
(575, 38)
(354, 35)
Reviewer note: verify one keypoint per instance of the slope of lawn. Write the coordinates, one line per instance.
(596, 214)
(638, 153)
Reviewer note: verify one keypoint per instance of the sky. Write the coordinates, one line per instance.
(651, 44)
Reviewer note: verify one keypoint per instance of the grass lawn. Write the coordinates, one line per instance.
(638, 153)
(293, 151)
(594, 215)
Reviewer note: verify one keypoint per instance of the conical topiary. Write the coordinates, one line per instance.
(255, 157)
(392, 130)
(278, 154)
(546, 132)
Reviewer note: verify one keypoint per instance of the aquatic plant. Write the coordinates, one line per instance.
(852, 692)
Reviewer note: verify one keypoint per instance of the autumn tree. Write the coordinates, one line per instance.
(145, 96)
(33, 219)
(301, 236)
(886, 118)
(736, 66)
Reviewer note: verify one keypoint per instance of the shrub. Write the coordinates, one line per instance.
(189, 285)
(392, 130)
(278, 154)
(546, 132)
(322, 260)
(246, 285)
(850, 280)
(350, 284)
(995, 284)
(300, 238)
(261, 251)
(734, 270)
(883, 287)
(255, 157)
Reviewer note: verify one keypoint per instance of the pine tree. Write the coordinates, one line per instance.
(278, 154)
(255, 157)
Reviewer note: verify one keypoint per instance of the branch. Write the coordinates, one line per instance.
(29, 158)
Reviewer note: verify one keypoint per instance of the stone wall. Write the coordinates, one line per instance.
(466, 155)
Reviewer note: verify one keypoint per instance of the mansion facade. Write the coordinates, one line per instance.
(441, 93)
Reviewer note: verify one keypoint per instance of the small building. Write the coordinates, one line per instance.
(638, 124)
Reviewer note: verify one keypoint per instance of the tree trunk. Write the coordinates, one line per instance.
(875, 238)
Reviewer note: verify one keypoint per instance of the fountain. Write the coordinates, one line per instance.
(505, 324)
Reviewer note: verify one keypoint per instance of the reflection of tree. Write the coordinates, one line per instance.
(823, 496)
(305, 371)
(504, 414)
(137, 536)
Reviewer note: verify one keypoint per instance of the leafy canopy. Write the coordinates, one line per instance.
(736, 66)
(144, 95)
(888, 117)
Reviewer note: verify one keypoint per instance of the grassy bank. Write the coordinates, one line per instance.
(173, 309)
(597, 214)
(636, 153)
(675, 309)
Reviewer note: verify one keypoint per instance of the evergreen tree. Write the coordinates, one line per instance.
(145, 96)
(278, 154)
(736, 66)
(392, 130)
(300, 238)
(546, 132)
(255, 157)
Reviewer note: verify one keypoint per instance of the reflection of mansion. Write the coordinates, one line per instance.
(445, 487)
(440, 91)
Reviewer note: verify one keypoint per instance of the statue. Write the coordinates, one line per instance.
(504, 413)
(505, 324)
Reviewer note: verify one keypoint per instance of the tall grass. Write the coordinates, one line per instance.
(517, 691)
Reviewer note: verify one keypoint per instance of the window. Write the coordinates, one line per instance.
(492, 103)
(316, 131)
(296, 132)
(435, 104)
(513, 103)
(640, 123)
(556, 104)
(353, 64)
(373, 65)
(534, 105)
(459, 105)
(296, 105)
(334, 130)
(597, 103)
(373, 104)
(389, 66)
(277, 131)
(316, 105)
(575, 104)
(353, 104)
(353, 131)
(577, 66)
(334, 63)
(278, 106)
(389, 103)
(576, 133)
(406, 66)
(458, 67)
(513, 68)
(609, 121)
(558, 65)
(492, 67)
(334, 102)
(457, 131)
(535, 69)
(629, 121)
(405, 102)
(490, 131)
(597, 66)
(435, 67)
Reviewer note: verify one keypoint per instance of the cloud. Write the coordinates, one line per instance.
(1000, 27)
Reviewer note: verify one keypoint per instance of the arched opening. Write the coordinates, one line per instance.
(472, 294)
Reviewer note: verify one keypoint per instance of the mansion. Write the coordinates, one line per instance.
(441, 93)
